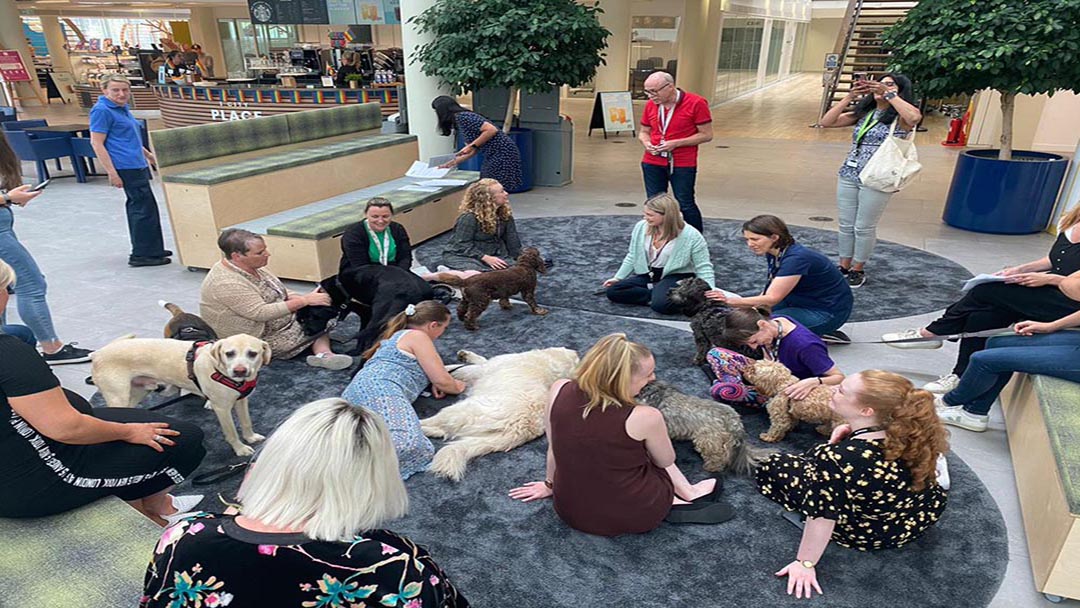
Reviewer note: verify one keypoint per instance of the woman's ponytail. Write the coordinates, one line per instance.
(414, 315)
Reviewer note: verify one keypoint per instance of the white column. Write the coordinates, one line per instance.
(615, 75)
(710, 46)
(691, 41)
(205, 32)
(54, 40)
(420, 89)
(12, 38)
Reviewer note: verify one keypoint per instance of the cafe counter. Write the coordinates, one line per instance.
(185, 105)
(142, 98)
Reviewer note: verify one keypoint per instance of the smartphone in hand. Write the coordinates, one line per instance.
(41, 186)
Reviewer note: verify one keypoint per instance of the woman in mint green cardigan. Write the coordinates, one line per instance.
(663, 250)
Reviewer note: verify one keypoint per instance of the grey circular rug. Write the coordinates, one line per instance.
(501, 552)
(587, 249)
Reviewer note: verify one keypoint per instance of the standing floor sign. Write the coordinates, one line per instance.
(613, 111)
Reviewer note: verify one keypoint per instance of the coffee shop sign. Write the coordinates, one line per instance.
(233, 111)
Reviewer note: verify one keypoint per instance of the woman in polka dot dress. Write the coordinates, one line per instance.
(502, 161)
(880, 482)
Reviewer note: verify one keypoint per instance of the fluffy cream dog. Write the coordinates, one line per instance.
(503, 408)
(223, 371)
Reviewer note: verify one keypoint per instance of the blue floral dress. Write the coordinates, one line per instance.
(388, 384)
(501, 159)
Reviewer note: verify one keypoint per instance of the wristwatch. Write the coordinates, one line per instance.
(4, 195)
(809, 565)
(889, 95)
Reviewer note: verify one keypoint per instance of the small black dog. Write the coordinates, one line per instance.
(707, 317)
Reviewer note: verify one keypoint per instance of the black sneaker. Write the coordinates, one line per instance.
(856, 278)
(68, 353)
(835, 337)
(140, 261)
(844, 271)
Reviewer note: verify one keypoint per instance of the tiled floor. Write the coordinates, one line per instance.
(764, 159)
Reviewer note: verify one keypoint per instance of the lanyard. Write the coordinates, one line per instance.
(869, 123)
(384, 247)
(665, 116)
(774, 267)
(869, 429)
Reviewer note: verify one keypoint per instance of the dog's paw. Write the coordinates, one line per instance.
(243, 450)
(254, 438)
(464, 356)
(540, 311)
(769, 437)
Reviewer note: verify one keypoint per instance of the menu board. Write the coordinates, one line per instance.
(314, 12)
(12, 68)
(320, 12)
(341, 12)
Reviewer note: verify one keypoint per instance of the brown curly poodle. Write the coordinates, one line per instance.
(771, 378)
(479, 290)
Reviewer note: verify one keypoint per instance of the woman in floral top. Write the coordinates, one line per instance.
(308, 535)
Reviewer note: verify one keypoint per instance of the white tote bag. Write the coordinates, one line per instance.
(894, 165)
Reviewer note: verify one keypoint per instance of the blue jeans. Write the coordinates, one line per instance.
(634, 289)
(859, 209)
(682, 181)
(30, 284)
(1056, 354)
(144, 222)
(817, 320)
(21, 332)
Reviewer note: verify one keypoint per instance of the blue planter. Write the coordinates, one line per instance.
(1004, 196)
(523, 139)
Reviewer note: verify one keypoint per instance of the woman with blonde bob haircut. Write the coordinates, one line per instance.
(663, 250)
(313, 504)
(610, 464)
(879, 483)
(485, 236)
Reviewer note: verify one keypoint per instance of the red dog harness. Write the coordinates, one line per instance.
(244, 388)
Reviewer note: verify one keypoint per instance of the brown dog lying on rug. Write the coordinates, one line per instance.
(771, 378)
(479, 290)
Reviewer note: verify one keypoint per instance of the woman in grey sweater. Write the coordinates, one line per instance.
(485, 237)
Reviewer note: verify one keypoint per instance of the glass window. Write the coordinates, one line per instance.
(776, 49)
(230, 46)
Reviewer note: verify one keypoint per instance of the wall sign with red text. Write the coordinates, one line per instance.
(12, 68)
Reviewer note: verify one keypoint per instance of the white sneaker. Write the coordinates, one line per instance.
(183, 506)
(939, 403)
(331, 361)
(958, 416)
(909, 334)
(943, 384)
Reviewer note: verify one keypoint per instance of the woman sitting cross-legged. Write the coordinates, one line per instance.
(610, 464)
(309, 532)
(1039, 348)
(399, 367)
(879, 483)
(663, 249)
(240, 296)
(376, 258)
(1029, 291)
(782, 339)
(57, 453)
(803, 284)
(485, 236)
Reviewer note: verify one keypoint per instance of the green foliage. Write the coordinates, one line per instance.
(525, 44)
(950, 47)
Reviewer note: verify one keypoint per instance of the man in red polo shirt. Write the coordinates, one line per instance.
(674, 124)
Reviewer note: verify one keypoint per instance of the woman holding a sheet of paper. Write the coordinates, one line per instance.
(1028, 292)
(502, 161)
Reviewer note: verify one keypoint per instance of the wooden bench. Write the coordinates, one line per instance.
(222, 174)
(1042, 415)
(305, 243)
(93, 556)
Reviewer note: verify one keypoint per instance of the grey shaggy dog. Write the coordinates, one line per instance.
(707, 317)
(715, 429)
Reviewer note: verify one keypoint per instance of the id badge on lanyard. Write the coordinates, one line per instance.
(665, 119)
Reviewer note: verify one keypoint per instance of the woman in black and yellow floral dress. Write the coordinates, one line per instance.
(879, 483)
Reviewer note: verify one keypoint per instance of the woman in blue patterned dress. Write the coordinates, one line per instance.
(397, 369)
(884, 102)
(502, 161)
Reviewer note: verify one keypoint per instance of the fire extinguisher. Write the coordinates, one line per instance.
(959, 128)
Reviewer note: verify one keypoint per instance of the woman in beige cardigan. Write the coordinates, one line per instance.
(239, 296)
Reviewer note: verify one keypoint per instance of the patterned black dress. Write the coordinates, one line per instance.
(502, 161)
(851, 483)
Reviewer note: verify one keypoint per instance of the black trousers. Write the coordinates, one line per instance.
(387, 290)
(144, 222)
(116, 468)
(997, 305)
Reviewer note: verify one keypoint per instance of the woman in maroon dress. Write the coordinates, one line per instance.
(610, 464)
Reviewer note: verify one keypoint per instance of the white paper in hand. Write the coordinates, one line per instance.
(980, 279)
(423, 170)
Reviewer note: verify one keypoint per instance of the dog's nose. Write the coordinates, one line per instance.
(240, 371)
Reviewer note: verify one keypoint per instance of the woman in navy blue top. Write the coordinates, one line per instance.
(803, 284)
(501, 161)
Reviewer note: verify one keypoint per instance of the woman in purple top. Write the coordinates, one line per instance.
(785, 340)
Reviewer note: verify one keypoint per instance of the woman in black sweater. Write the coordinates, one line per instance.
(375, 269)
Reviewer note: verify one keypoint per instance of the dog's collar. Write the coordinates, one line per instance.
(244, 388)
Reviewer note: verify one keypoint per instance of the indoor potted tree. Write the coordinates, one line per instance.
(1015, 47)
(508, 44)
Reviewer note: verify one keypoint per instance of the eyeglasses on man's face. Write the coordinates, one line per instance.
(655, 92)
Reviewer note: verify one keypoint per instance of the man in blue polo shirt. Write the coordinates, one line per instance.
(116, 137)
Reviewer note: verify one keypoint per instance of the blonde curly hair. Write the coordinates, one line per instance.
(480, 202)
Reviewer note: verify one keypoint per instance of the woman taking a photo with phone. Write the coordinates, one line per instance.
(883, 102)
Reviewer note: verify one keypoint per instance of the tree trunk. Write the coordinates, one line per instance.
(1008, 104)
(510, 106)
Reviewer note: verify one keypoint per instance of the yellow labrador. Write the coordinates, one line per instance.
(223, 371)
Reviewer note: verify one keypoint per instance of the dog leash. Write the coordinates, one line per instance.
(987, 333)
(220, 473)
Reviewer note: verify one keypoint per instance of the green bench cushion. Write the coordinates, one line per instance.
(319, 124)
(202, 142)
(330, 222)
(93, 556)
(1060, 401)
(276, 161)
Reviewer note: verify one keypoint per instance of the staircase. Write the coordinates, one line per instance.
(859, 44)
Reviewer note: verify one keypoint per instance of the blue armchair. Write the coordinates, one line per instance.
(19, 125)
(7, 113)
(82, 149)
(30, 148)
